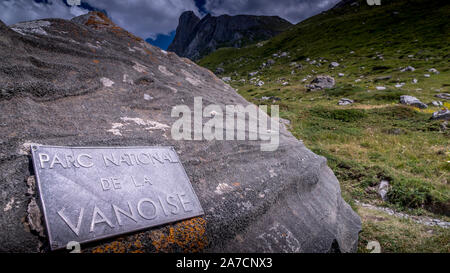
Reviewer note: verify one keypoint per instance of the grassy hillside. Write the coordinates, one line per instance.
(375, 138)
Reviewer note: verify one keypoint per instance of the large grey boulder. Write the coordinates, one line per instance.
(95, 84)
(413, 101)
(321, 82)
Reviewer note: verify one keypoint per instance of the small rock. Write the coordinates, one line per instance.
(413, 101)
(442, 114)
(271, 98)
(270, 62)
(334, 64)
(226, 79)
(445, 96)
(437, 103)
(433, 70)
(341, 74)
(444, 126)
(345, 101)
(380, 88)
(383, 189)
(426, 75)
(251, 74)
(260, 83)
(408, 68)
(415, 81)
(220, 70)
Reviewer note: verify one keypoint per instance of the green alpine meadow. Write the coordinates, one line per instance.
(365, 86)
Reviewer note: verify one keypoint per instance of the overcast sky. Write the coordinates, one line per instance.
(157, 19)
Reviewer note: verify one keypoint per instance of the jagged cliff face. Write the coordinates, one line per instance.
(87, 82)
(196, 38)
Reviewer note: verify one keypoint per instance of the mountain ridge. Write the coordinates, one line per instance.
(197, 37)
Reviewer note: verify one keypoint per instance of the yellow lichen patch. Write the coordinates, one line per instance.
(188, 236)
(95, 61)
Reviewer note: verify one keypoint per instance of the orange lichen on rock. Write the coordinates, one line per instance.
(98, 20)
(188, 236)
(121, 245)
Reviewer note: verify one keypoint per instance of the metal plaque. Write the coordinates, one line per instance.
(91, 193)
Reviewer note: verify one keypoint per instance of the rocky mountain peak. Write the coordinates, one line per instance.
(197, 37)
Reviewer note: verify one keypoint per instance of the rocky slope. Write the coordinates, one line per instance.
(87, 82)
(197, 37)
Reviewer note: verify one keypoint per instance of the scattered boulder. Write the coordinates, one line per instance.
(270, 62)
(442, 114)
(380, 88)
(297, 65)
(341, 74)
(226, 79)
(426, 75)
(252, 74)
(220, 70)
(413, 101)
(415, 81)
(408, 69)
(272, 98)
(433, 70)
(259, 83)
(437, 103)
(445, 96)
(345, 101)
(334, 64)
(383, 189)
(321, 82)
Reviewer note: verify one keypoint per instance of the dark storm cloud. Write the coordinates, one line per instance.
(291, 10)
(14, 11)
(148, 18)
(145, 18)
